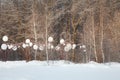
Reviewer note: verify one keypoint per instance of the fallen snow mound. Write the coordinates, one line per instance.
(58, 70)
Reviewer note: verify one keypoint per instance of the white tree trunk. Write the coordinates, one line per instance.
(101, 25)
(46, 25)
(34, 28)
(93, 30)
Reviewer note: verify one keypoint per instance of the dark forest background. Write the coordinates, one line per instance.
(94, 23)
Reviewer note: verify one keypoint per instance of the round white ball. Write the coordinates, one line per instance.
(41, 47)
(3, 46)
(73, 46)
(66, 49)
(83, 46)
(27, 40)
(69, 46)
(35, 47)
(10, 46)
(62, 41)
(24, 45)
(52, 46)
(84, 50)
(30, 44)
(80, 47)
(18, 46)
(14, 48)
(50, 39)
(57, 48)
(5, 38)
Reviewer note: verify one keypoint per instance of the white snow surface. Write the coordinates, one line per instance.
(58, 70)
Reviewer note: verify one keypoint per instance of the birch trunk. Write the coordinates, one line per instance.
(46, 25)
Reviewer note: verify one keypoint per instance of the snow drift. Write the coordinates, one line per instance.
(58, 70)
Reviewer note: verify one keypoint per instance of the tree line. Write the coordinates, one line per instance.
(94, 23)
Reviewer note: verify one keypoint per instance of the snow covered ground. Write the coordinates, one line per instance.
(39, 70)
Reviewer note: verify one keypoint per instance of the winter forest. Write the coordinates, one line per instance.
(75, 30)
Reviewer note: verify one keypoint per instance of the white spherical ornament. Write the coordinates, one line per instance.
(35, 47)
(14, 48)
(84, 50)
(73, 46)
(66, 49)
(69, 46)
(3, 46)
(27, 40)
(30, 44)
(83, 46)
(62, 41)
(5, 38)
(24, 45)
(52, 46)
(80, 47)
(41, 47)
(50, 39)
(57, 48)
(10, 46)
(18, 46)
